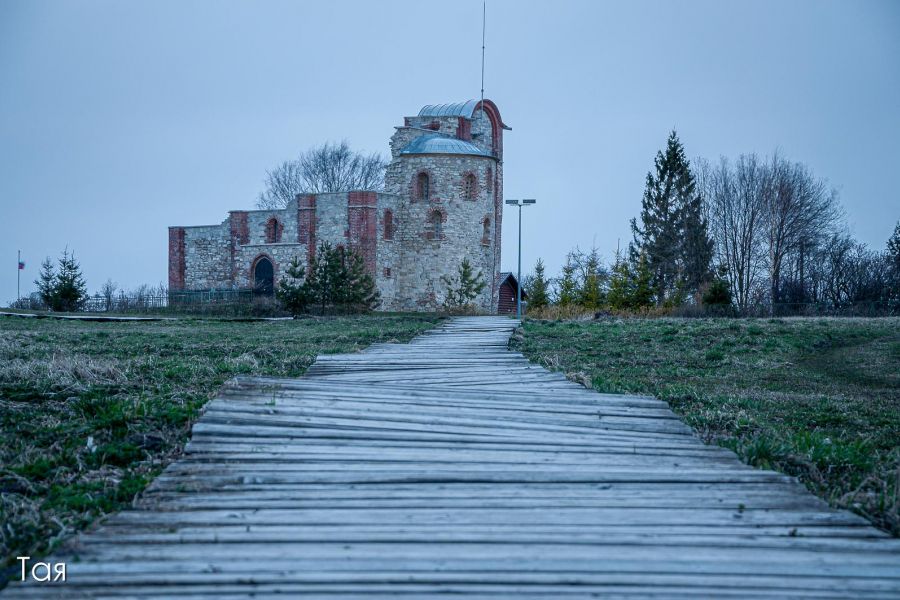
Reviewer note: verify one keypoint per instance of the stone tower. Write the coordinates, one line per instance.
(446, 172)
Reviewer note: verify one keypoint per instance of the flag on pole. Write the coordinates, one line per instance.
(21, 265)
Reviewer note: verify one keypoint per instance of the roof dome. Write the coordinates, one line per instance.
(439, 144)
(454, 109)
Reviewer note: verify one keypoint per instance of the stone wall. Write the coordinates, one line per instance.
(207, 257)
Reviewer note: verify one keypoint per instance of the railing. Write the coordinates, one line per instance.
(178, 301)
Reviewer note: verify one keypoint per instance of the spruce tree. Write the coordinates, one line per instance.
(361, 293)
(338, 280)
(621, 284)
(65, 289)
(463, 288)
(893, 247)
(538, 287)
(672, 233)
(46, 282)
(696, 247)
(642, 293)
(568, 285)
(590, 293)
(294, 289)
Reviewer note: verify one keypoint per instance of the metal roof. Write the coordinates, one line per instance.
(454, 109)
(439, 144)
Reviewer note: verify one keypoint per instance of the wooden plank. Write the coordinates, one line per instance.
(451, 465)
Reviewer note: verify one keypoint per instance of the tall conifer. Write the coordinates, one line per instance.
(672, 232)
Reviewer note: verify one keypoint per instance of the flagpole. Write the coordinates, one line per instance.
(19, 277)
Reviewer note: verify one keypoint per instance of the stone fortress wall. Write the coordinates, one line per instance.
(443, 201)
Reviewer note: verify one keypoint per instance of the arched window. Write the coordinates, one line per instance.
(436, 225)
(486, 232)
(273, 231)
(490, 180)
(388, 225)
(471, 187)
(423, 187)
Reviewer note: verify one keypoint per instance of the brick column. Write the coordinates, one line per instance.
(362, 226)
(306, 224)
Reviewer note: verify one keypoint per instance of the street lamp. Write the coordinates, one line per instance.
(520, 204)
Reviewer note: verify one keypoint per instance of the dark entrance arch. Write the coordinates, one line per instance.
(263, 276)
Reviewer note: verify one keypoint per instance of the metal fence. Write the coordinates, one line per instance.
(180, 301)
(874, 308)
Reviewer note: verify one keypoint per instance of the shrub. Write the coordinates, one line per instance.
(463, 288)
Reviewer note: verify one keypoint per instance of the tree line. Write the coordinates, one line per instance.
(752, 235)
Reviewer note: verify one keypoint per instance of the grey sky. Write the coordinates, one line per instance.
(118, 119)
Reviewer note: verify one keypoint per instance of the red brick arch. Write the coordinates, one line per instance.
(251, 275)
(431, 231)
(389, 225)
(493, 113)
(415, 191)
(274, 229)
(468, 192)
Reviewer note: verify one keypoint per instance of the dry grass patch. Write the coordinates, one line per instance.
(818, 398)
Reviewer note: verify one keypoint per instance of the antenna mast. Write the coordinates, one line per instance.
(483, 28)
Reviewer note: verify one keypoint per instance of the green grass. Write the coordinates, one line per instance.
(91, 412)
(815, 398)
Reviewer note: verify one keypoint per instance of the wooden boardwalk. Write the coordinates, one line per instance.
(452, 466)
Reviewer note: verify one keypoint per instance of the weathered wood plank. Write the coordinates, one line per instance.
(451, 465)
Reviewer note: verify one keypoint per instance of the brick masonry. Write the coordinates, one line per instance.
(407, 264)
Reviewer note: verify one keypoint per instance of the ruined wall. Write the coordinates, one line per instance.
(207, 257)
(394, 231)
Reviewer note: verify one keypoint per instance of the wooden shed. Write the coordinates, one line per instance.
(506, 303)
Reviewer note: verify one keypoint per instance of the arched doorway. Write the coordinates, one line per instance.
(263, 276)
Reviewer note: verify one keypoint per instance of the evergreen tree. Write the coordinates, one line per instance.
(673, 232)
(71, 290)
(361, 293)
(46, 282)
(293, 289)
(718, 293)
(590, 293)
(63, 289)
(642, 295)
(336, 280)
(696, 246)
(621, 284)
(538, 287)
(463, 288)
(893, 247)
(325, 276)
(568, 285)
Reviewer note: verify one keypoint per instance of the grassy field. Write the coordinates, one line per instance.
(816, 398)
(91, 412)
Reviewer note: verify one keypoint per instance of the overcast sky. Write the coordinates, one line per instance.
(120, 118)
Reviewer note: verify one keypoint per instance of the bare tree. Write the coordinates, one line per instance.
(846, 272)
(798, 210)
(283, 183)
(734, 198)
(108, 293)
(322, 169)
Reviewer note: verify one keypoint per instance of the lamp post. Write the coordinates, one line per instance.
(520, 204)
